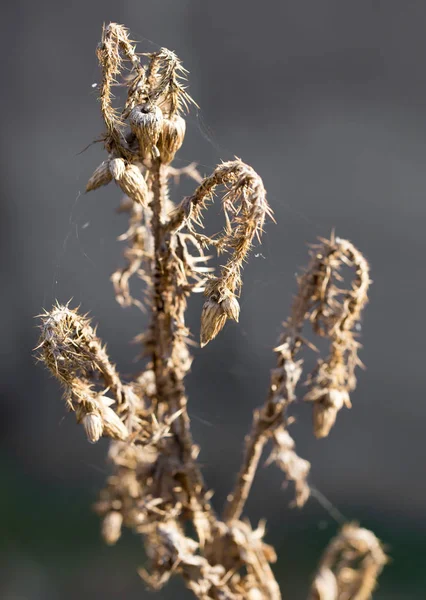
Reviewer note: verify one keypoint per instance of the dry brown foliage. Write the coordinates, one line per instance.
(157, 486)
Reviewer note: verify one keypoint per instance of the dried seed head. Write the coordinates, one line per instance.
(113, 425)
(324, 417)
(213, 318)
(325, 409)
(93, 425)
(66, 342)
(100, 177)
(117, 166)
(220, 305)
(231, 308)
(133, 184)
(171, 137)
(74, 354)
(111, 527)
(146, 122)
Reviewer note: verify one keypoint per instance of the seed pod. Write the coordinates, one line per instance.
(100, 177)
(146, 122)
(111, 527)
(133, 184)
(117, 166)
(231, 308)
(171, 137)
(93, 426)
(213, 318)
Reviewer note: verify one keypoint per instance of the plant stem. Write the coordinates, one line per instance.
(166, 316)
(255, 443)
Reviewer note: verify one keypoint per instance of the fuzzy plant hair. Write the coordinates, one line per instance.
(156, 487)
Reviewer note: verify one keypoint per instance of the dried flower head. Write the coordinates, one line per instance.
(171, 137)
(146, 122)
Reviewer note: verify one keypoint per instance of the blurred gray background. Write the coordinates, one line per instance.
(327, 101)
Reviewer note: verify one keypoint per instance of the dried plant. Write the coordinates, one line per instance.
(157, 486)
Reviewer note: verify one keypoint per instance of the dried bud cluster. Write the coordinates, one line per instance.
(74, 354)
(156, 487)
(99, 419)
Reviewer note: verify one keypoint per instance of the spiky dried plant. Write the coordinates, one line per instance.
(157, 486)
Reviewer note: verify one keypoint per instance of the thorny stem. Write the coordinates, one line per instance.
(162, 332)
(318, 301)
(169, 383)
(265, 421)
(255, 442)
(170, 388)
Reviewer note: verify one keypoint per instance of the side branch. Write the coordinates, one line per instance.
(335, 313)
(74, 354)
(270, 422)
(113, 48)
(245, 208)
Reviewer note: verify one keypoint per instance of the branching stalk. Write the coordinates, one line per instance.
(156, 487)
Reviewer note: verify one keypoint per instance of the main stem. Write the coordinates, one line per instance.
(169, 382)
